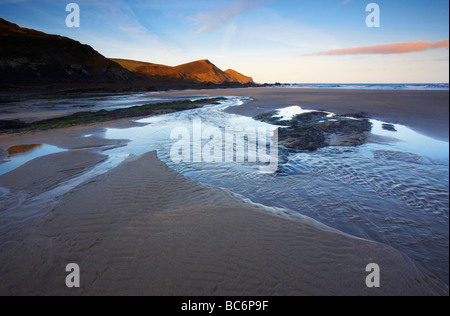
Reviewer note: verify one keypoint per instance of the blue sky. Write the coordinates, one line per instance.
(271, 40)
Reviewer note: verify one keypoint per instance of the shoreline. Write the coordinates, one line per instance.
(83, 117)
(211, 243)
(426, 112)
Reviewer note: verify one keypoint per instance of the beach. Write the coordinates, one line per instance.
(424, 111)
(141, 228)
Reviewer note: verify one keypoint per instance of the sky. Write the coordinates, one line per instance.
(289, 41)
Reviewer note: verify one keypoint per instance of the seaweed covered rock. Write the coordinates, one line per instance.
(317, 129)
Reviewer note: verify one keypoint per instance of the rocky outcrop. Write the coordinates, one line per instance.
(313, 130)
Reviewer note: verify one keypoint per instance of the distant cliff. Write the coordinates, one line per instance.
(238, 77)
(198, 71)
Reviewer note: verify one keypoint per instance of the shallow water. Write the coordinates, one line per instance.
(396, 193)
(27, 154)
(413, 142)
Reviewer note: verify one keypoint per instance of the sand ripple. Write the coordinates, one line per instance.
(143, 229)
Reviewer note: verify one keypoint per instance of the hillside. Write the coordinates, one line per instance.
(149, 70)
(202, 71)
(238, 77)
(32, 57)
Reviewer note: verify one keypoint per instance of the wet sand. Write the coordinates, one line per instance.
(142, 229)
(424, 111)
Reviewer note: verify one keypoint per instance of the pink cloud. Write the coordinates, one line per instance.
(398, 48)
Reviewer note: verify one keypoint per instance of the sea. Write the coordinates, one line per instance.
(370, 86)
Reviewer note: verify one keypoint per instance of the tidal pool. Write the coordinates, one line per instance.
(21, 154)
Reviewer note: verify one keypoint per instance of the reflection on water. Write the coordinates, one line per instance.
(411, 141)
(22, 149)
(288, 113)
(21, 154)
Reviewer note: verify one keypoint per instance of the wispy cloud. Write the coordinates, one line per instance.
(398, 48)
(215, 19)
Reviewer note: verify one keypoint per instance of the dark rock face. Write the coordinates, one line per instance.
(389, 127)
(31, 57)
(314, 130)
